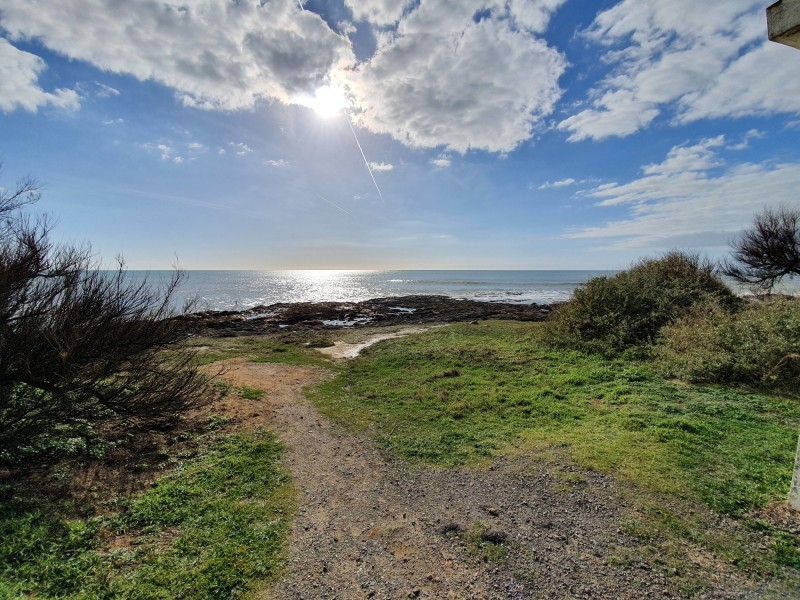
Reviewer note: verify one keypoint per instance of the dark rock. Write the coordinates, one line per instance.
(321, 316)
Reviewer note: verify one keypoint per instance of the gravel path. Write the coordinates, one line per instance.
(371, 527)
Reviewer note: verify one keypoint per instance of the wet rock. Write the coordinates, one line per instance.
(320, 316)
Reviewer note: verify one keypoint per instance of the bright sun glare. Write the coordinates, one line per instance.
(328, 101)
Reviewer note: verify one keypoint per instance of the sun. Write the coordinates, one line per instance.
(328, 101)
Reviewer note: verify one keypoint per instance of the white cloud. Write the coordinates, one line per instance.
(105, 91)
(558, 184)
(240, 148)
(381, 166)
(446, 80)
(709, 201)
(214, 53)
(685, 60)
(165, 152)
(378, 12)
(533, 16)
(118, 121)
(280, 163)
(462, 74)
(19, 87)
(442, 161)
(196, 146)
(753, 134)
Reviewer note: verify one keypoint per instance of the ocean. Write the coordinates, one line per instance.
(237, 290)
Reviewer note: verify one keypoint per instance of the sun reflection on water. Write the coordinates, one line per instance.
(325, 285)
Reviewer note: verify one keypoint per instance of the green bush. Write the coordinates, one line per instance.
(609, 314)
(757, 345)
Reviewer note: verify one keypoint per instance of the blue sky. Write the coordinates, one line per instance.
(500, 134)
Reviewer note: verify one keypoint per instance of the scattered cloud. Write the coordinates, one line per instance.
(753, 134)
(105, 91)
(442, 161)
(680, 60)
(118, 121)
(558, 184)
(196, 146)
(19, 87)
(165, 152)
(381, 166)
(280, 163)
(240, 148)
(216, 54)
(692, 194)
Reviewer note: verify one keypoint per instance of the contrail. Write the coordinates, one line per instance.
(336, 205)
(366, 162)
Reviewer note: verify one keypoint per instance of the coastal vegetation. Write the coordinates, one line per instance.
(626, 310)
(659, 377)
(82, 363)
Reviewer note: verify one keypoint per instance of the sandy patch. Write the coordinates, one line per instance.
(346, 350)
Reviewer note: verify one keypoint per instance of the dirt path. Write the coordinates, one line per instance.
(371, 527)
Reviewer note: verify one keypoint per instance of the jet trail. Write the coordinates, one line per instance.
(336, 205)
(366, 162)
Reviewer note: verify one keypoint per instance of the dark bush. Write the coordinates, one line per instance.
(82, 351)
(628, 309)
(758, 345)
(768, 251)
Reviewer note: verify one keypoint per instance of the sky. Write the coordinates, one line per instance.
(392, 134)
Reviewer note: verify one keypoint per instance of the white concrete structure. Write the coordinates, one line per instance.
(783, 22)
(794, 492)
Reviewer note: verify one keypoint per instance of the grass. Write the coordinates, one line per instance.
(250, 393)
(291, 348)
(210, 529)
(466, 393)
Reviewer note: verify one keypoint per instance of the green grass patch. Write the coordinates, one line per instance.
(250, 393)
(466, 393)
(210, 529)
(293, 348)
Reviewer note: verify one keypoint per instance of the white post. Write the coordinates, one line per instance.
(794, 492)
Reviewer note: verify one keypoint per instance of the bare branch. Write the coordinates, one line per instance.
(768, 251)
(84, 353)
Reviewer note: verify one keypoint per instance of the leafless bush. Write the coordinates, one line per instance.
(768, 251)
(86, 356)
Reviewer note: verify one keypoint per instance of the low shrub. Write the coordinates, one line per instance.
(608, 314)
(757, 345)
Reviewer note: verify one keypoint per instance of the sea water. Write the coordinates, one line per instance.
(237, 290)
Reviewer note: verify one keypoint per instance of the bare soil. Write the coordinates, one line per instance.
(369, 526)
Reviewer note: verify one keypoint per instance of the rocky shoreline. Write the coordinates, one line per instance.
(378, 312)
